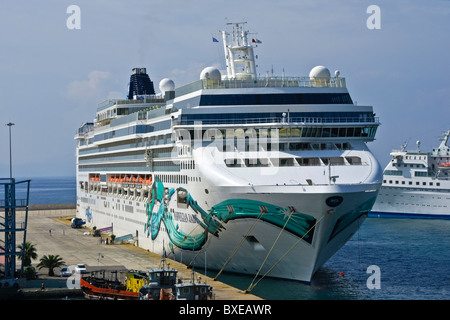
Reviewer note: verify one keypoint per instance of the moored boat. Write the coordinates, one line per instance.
(98, 286)
(156, 284)
(416, 184)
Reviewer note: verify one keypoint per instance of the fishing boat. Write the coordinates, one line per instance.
(156, 284)
(103, 285)
(163, 285)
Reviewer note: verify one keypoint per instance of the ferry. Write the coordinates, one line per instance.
(237, 172)
(416, 184)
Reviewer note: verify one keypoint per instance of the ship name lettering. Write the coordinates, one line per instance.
(183, 217)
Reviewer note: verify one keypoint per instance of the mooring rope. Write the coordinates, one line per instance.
(240, 243)
(276, 240)
(253, 285)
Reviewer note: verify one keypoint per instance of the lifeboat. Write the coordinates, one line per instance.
(445, 166)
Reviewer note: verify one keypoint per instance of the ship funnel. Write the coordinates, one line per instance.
(140, 84)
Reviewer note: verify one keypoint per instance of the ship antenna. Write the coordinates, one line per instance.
(239, 56)
(404, 145)
(444, 140)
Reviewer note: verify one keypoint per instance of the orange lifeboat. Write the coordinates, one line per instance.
(445, 165)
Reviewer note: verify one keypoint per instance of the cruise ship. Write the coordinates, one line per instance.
(416, 184)
(260, 175)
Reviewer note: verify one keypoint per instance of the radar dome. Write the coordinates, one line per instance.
(166, 85)
(319, 72)
(210, 73)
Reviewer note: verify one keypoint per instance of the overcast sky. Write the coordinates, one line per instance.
(53, 77)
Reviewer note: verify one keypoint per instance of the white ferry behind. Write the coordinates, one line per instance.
(416, 184)
(257, 175)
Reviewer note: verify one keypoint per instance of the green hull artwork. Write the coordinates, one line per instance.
(213, 221)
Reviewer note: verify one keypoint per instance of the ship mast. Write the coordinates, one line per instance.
(443, 144)
(239, 55)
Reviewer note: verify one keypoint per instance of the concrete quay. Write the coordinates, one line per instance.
(50, 232)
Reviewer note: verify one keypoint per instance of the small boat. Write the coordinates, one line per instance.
(193, 290)
(156, 284)
(164, 285)
(445, 165)
(97, 286)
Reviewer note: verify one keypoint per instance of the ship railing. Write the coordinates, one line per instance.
(278, 120)
(147, 99)
(274, 82)
(84, 129)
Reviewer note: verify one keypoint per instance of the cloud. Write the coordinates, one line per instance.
(90, 88)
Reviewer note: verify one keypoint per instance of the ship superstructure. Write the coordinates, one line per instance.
(416, 183)
(247, 174)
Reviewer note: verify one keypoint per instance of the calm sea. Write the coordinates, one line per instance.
(48, 190)
(386, 259)
(411, 258)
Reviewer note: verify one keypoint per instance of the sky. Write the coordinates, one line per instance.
(52, 77)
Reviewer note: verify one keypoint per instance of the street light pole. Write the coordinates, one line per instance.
(10, 124)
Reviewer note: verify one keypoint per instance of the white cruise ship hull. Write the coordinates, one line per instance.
(416, 184)
(410, 203)
(246, 242)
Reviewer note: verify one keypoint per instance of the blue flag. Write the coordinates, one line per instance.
(215, 40)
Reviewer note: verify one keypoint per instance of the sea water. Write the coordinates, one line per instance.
(47, 190)
(386, 259)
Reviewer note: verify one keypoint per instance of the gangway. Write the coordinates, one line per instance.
(106, 229)
(98, 232)
(124, 238)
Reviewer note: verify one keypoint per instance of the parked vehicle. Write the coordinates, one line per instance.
(80, 268)
(78, 223)
(65, 272)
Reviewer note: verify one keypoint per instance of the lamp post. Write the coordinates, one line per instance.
(10, 124)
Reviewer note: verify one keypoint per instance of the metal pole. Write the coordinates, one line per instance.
(10, 124)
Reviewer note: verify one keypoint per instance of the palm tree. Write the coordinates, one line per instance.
(28, 254)
(51, 262)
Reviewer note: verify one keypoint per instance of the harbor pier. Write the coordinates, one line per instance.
(50, 231)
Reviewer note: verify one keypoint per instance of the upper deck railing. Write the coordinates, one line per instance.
(263, 82)
(275, 82)
(147, 99)
(278, 120)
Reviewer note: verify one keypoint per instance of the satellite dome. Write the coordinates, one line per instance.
(210, 73)
(166, 85)
(319, 72)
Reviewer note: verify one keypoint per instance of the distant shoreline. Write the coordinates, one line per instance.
(50, 206)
